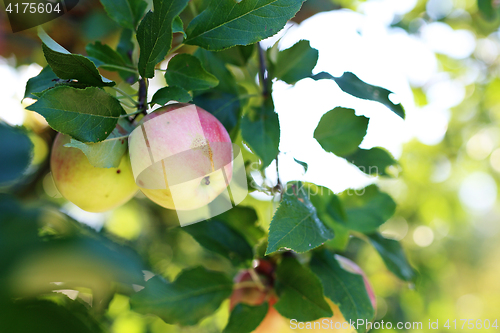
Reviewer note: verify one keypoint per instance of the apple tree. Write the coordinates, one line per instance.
(257, 266)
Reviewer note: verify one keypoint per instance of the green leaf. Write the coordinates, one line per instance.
(186, 71)
(41, 82)
(261, 130)
(303, 164)
(296, 63)
(178, 26)
(125, 46)
(69, 66)
(331, 212)
(367, 209)
(295, 224)
(487, 9)
(226, 23)
(16, 153)
(300, 292)
(222, 101)
(155, 34)
(372, 161)
(44, 316)
(340, 131)
(88, 115)
(351, 84)
(245, 318)
(78, 262)
(218, 237)
(107, 58)
(126, 13)
(393, 255)
(225, 107)
(106, 55)
(195, 294)
(345, 289)
(107, 153)
(237, 55)
(172, 93)
(245, 221)
(214, 64)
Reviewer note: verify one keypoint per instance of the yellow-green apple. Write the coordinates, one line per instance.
(275, 323)
(90, 188)
(181, 156)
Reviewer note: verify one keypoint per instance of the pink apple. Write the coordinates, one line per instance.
(181, 157)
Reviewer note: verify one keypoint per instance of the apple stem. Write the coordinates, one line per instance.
(256, 279)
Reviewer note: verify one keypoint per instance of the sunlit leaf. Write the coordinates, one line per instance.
(227, 23)
(88, 115)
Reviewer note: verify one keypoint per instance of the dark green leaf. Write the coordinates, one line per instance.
(295, 224)
(372, 161)
(178, 26)
(303, 164)
(237, 55)
(367, 209)
(88, 115)
(245, 318)
(487, 9)
(215, 65)
(300, 292)
(127, 13)
(107, 153)
(261, 130)
(186, 71)
(224, 106)
(227, 23)
(393, 255)
(351, 84)
(106, 55)
(296, 63)
(172, 93)
(218, 237)
(71, 66)
(44, 316)
(195, 294)
(39, 83)
(125, 46)
(345, 289)
(155, 34)
(245, 221)
(106, 58)
(340, 131)
(16, 152)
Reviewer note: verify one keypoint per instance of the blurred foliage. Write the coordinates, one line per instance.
(452, 241)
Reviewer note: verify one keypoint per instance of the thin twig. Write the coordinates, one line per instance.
(143, 95)
(263, 74)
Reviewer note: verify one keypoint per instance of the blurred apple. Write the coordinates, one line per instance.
(178, 155)
(90, 188)
(275, 323)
